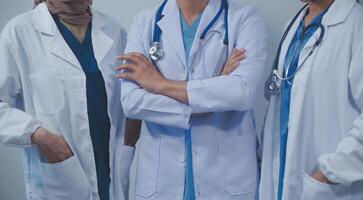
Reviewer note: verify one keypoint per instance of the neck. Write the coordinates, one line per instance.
(78, 31)
(316, 7)
(190, 9)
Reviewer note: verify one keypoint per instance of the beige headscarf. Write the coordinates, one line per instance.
(75, 12)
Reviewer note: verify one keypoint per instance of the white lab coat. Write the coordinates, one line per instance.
(326, 121)
(43, 85)
(219, 111)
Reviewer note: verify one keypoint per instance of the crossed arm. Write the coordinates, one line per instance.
(139, 69)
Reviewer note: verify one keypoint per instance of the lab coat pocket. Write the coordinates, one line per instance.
(48, 93)
(240, 172)
(315, 190)
(65, 180)
(147, 167)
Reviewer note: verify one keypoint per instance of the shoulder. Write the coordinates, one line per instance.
(243, 11)
(17, 26)
(246, 18)
(146, 17)
(356, 15)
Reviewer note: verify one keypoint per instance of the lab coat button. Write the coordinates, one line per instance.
(182, 158)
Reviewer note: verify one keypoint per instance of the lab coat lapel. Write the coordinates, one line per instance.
(61, 49)
(43, 22)
(209, 13)
(171, 29)
(102, 43)
(337, 14)
(287, 42)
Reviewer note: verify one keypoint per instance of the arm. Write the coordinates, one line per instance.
(345, 166)
(16, 126)
(178, 90)
(140, 70)
(138, 103)
(227, 92)
(236, 91)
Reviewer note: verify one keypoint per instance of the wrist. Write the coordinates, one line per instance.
(130, 144)
(37, 135)
(163, 86)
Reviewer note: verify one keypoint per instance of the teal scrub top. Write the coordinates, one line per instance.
(291, 63)
(188, 33)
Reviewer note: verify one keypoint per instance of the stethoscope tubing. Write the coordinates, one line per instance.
(157, 36)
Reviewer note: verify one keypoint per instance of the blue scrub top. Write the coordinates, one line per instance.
(98, 118)
(292, 56)
(188, 33)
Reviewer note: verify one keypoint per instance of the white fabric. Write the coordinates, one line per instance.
(220, 111)
(326, 121)
(43, 85)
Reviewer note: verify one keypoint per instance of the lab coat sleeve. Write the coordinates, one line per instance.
(141, 104)
(345, 166)
(16, 126)
(236, 91)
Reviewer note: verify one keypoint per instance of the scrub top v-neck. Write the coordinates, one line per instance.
(99, 122)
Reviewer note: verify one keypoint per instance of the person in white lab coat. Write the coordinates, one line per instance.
(59, 101)
(199, 136)
(313, 132)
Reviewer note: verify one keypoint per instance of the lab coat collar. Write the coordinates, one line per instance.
(102, 43)
(338, 12)
(43, 20)
(44, 23)
(171, 28)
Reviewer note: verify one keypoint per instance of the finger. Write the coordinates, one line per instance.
(126, 67)
(126, 76)
(230, 68)
(238, 53)
(235, 54)
(240, 58)
(130, 58)
(242, 50)
(140, 56)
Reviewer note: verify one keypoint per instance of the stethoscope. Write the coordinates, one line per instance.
(273, 84)
(156, 51)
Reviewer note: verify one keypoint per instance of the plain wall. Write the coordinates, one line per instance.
(275, 12)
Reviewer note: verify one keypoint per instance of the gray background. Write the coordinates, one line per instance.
(275, 13)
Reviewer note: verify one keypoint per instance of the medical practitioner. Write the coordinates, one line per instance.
(199, 136)
(313, 133)
(60, 102)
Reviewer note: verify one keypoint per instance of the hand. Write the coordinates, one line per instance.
(140, 70)
(319, 176)
(233, 61)
(53, 147)
(132, 132)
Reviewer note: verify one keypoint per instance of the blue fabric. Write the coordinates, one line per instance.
(296, 46)
(188, 33)
(98, 118)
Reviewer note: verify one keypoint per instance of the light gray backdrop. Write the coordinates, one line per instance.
(275, 13)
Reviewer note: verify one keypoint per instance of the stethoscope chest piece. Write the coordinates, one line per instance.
(156, 52)
(274, 83)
